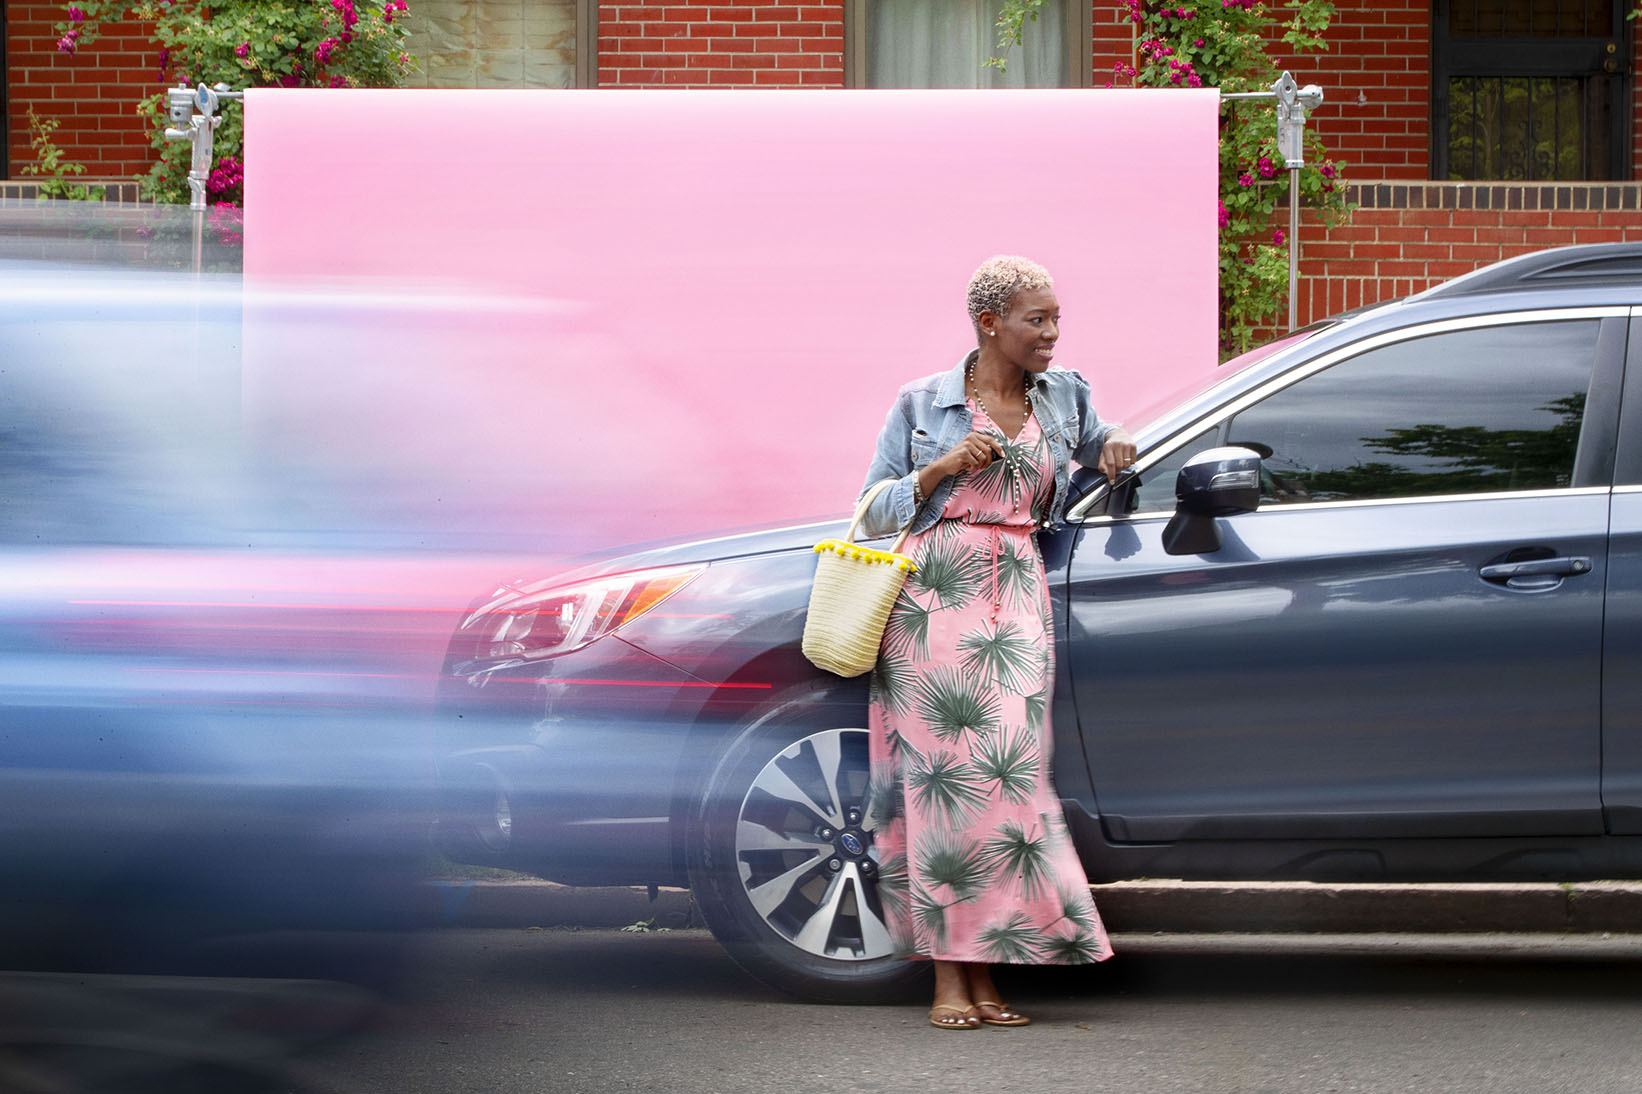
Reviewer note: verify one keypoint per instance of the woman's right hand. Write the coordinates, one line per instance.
(973, 453)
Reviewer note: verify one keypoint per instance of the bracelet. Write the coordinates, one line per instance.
(917, 494)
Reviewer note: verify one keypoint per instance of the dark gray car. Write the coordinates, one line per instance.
(1367, 607)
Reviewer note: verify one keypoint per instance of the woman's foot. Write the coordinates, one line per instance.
(994, 1013)
(945, 1017)
(984, 996)
(952, 1009)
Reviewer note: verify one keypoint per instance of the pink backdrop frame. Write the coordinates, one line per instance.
(670, 312)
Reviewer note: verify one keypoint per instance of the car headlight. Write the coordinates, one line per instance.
(564, 619)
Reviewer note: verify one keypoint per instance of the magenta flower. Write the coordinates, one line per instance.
(1245, 179)
(1277, 237)
(1225, 215)
(65, 44)
(1198, 43)
(243, 50)
(76, 15)
(1266, 167)
(1327, 170)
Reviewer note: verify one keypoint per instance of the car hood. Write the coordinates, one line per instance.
(683, 551)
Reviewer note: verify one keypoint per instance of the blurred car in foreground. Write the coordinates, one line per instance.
(1389, 630)
(213, 699)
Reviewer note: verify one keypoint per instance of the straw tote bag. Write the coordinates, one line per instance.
(854, 589)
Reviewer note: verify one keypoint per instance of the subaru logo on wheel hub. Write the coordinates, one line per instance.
(851, 843)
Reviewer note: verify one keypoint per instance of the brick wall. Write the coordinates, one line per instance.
(728, 43)
(93, 94)
(1376, 80)
(1405, 238)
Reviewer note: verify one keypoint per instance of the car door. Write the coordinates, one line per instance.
(1622, 643)
(1405, 639)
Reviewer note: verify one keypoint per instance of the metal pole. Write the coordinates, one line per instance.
(1294, 242)
(196, 108)
(1293, 102)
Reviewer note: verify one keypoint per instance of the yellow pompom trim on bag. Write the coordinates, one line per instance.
(854, 589)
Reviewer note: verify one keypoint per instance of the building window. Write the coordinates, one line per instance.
(945, 43)
(499, 43)
(1530, 90)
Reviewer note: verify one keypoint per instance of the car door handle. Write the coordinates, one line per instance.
(1505, 573)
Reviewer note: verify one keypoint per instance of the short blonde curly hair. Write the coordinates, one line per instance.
(996, 282)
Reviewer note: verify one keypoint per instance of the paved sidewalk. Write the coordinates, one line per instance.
(1140, 907)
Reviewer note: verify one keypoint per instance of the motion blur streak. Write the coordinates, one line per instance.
(222, 624)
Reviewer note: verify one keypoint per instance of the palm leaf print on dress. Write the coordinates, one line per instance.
(996, 482)
(1076, 907)
(1017, 573)
(946, 860)
(1008, 758)
(949, 573)
(1012, 941)
(1019, 858)
(1078, 948)
(951, 708)
(929, 918)
(894, 680)
(906, 633)
(1001, 655)
(944, 784)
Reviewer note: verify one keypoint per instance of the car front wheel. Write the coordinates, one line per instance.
(782, 859)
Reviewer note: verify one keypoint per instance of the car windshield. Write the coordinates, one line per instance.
(1184, 394)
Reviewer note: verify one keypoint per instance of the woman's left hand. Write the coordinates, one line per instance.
(1116, 454)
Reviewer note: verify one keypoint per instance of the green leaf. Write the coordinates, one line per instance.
(951, 707)
(951, 573)
(1078, 948)
(1009, 758)
(929, 918)
(1013, 941)
(906, 632)
(944, 785)
(1019, 858)
(944, 859)
(1002, 656)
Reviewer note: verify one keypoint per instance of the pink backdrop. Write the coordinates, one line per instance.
(615, 315)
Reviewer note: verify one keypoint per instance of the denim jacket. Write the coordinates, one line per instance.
(931, 415)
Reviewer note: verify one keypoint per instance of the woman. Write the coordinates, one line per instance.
(976, 863)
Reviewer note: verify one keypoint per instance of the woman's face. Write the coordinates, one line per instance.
(1026, 336)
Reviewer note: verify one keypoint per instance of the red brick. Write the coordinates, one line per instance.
(1451, 235)
(1430, 252)
(1350, 268)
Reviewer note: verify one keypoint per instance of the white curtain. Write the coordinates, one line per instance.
(942, 43)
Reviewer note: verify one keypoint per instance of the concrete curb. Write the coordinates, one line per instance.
(1170, 907)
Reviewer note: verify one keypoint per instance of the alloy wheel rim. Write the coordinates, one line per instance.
(804, 848)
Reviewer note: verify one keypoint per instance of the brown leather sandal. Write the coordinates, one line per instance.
(1006, 1017)
(965, 1019)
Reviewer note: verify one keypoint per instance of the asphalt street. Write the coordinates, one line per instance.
(504, 1010)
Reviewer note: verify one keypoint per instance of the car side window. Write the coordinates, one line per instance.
(1473, 411)
(1156, 490)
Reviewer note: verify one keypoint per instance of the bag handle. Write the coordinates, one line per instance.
(866, 503)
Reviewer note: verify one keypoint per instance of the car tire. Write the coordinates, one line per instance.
(781, 859)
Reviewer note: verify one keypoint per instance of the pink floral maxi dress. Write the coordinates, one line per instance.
(975, 860)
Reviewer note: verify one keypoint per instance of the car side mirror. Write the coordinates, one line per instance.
(1221, 482)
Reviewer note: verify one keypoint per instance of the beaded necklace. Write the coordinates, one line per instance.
(1011, 457)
